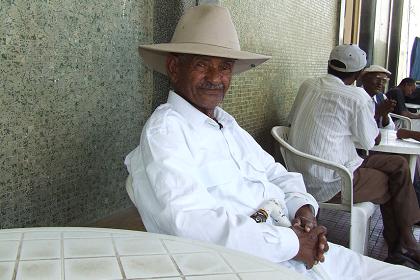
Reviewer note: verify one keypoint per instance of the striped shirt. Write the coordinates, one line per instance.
(329, 119)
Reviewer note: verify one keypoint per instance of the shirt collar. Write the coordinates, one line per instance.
(193, 115)
(332, 77)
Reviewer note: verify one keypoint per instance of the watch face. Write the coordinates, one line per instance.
(259, 217)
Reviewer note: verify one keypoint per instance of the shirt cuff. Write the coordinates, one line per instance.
(288, 246)
(298, 202)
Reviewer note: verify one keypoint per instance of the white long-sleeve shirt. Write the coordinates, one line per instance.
(330, 119)
(193, 179)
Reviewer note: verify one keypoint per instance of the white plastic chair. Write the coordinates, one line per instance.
(405, 121)
(360, 212)
(129, 187)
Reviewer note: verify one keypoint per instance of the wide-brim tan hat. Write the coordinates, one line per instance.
(203, 30)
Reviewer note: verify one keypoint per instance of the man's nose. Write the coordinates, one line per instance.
(213, 74)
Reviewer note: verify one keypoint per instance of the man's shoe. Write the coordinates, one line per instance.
(401, 259)
(404, 256)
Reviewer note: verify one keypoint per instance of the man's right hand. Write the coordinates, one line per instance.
(385, 107)
(309, 252)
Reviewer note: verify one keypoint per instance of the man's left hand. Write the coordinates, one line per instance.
(305, 219)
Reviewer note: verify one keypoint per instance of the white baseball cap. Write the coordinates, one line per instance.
(353, 58)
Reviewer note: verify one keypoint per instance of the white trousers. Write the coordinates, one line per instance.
(345, 264)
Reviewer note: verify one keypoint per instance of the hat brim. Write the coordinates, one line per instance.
(155, 55)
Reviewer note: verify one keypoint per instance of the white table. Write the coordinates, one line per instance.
(390, 144)
(105, 254)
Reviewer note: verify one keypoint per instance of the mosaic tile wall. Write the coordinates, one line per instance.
(74, 94)
(299, 36)
(72, 91)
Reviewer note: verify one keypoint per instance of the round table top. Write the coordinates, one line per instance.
(94, 253)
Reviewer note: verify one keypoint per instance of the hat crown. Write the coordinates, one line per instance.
(207, 24)
(376, 69)
(350, 55)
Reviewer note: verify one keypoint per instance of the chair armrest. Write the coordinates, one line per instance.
(406, 120)
(343, 172)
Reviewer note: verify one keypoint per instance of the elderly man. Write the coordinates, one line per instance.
(198, 175)
(329, 118)
(373, 80)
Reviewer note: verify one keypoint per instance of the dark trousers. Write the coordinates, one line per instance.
(385, 179)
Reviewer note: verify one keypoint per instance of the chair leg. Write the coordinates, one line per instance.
(359, 230)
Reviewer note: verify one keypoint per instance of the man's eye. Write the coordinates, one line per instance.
(227, 66)
(201, 65)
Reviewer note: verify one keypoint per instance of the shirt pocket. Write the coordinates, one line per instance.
(253, 170)
(216, 173)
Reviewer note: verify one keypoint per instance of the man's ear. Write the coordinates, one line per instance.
(172, 68)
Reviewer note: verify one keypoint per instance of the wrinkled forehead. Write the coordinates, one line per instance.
(379, 75)
(194, 57)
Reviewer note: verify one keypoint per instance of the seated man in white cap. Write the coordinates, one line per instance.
(197, 174)
(374, 79)
(329, 118)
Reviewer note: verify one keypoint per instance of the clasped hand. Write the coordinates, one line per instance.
(385, 107)
(312, 238)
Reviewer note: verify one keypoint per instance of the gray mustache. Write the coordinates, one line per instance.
(209, 85)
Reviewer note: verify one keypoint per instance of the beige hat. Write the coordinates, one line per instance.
(376, 69)
(203, 30)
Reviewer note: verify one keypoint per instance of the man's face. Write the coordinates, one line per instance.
(374, 82)
(408, 89)
(201, 80)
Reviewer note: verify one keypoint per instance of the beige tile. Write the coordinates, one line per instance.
(92, 269)
(40, 249)
(286, 274)
(241, 264)
(10, 236)
(201, 263)
(8, 250)
(6, 270)
(86, 234)
(149, 266)
(213, 277)
(74, 248)
(39, 270)
(132, 246)
(184, 247)
(41, 235)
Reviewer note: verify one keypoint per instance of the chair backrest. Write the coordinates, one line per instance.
(290, 154)
(129, 187)
(405, 121)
